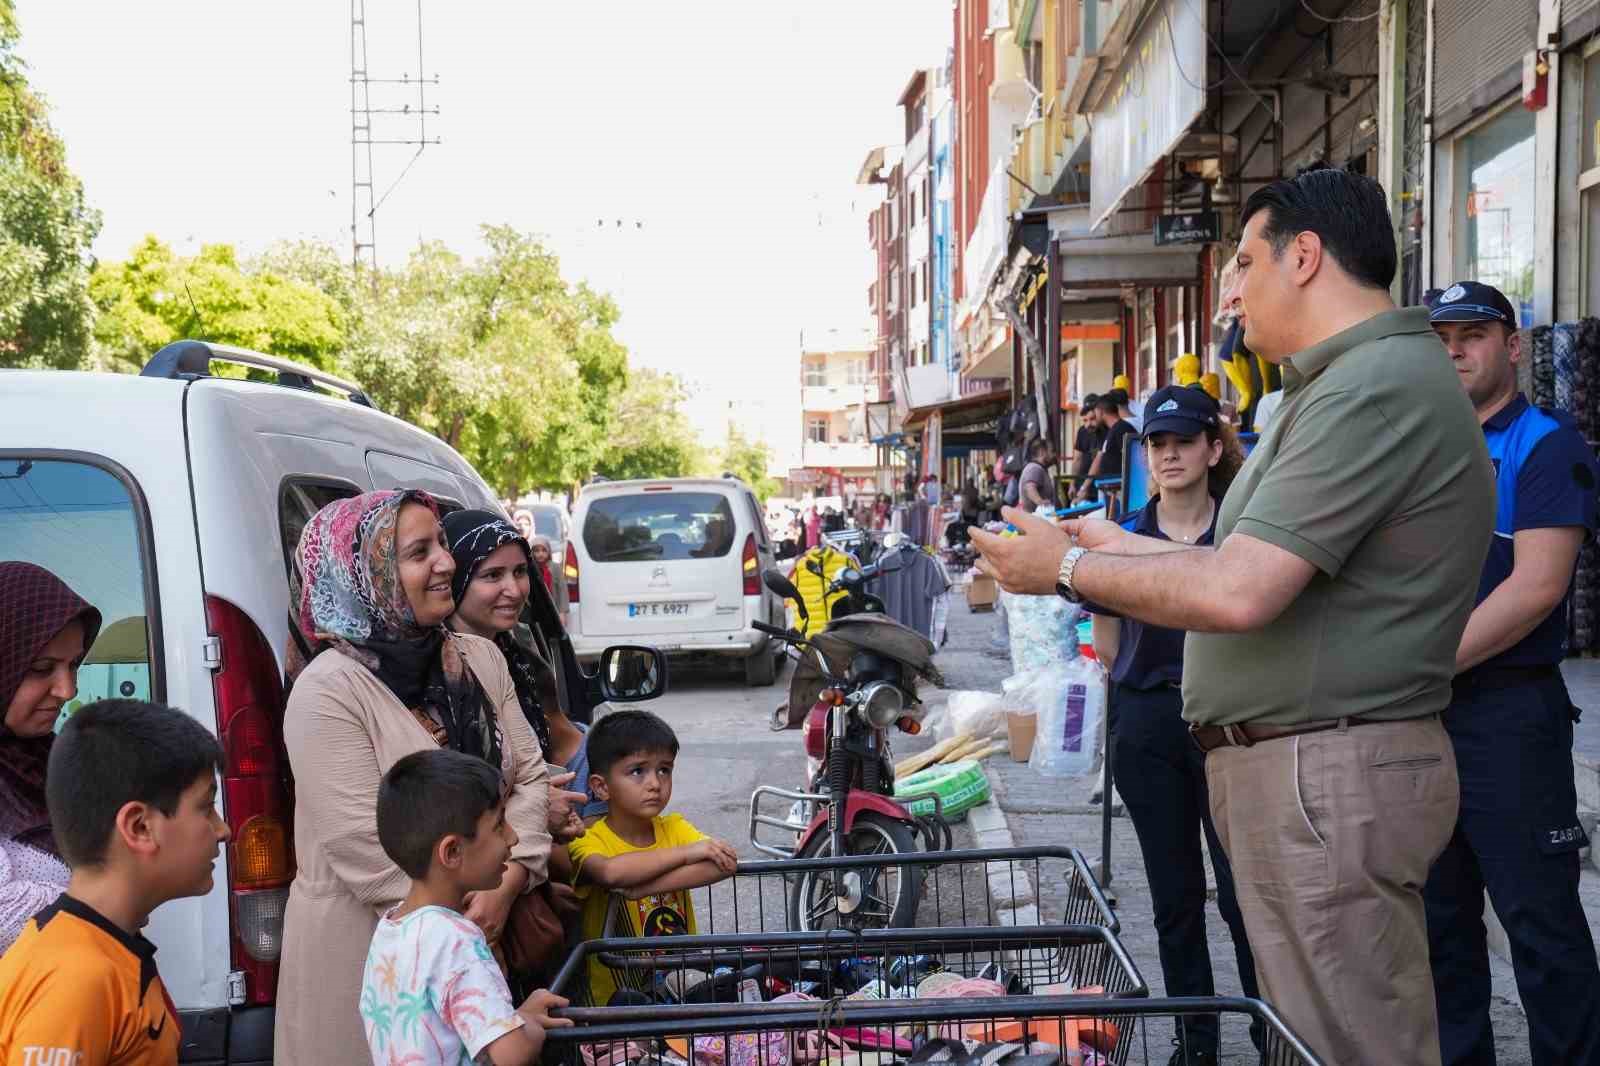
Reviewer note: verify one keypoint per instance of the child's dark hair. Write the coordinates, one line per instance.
(427, 796)
(115, 752)
(624, 733)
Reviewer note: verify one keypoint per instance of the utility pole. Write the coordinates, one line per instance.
(398, 129)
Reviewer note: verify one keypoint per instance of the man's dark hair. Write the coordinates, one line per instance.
(1039, 449)
(1108, 404)
(115, 752)
(1118, 396)
(623, 733)
(1349, 212)
(429, 795)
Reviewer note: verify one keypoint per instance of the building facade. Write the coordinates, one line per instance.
(837, 458)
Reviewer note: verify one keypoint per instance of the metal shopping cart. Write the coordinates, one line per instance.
(979, 887)
(1072, 997)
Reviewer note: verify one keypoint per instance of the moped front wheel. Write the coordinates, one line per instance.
(880, 896)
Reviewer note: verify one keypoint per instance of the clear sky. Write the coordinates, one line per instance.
(725, 136)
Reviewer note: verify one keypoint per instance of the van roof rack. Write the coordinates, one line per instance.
(192, 359)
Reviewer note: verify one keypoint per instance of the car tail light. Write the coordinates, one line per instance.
(570, 570)
(255, 795)
(752, 567)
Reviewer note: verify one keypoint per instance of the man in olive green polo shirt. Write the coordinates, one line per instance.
(1324, 625)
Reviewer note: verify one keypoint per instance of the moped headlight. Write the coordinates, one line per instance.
(882, 703)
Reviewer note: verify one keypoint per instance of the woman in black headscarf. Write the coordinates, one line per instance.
(493, 580)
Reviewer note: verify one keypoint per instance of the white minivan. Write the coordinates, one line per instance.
(173, 502)
(675, 564)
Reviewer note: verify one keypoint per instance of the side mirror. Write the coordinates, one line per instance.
(775, 581)
(631, 673)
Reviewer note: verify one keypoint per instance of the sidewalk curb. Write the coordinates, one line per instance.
(1011, 892)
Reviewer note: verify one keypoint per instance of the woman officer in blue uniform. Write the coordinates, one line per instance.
(1160, 774)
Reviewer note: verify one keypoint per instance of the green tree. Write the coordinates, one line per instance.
(651, 436)
(156, 297)
(748, 459)
(46, 227)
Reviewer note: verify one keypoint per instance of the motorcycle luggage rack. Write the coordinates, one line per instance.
(793, 796)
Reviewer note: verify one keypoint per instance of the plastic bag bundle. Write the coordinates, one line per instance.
(1069, 702)
(1043, 631)
(979, 713)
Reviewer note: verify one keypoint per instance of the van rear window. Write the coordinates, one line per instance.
(659, 525)
(80, 522)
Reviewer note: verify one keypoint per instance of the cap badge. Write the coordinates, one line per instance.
(1170, 405)
(1452, 294)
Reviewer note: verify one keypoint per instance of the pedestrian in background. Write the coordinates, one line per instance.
(1038, 486)
(1108, 464)
(375, 675)
(1160, 774)
(1510, 719)
(1324, 625)
(45, 631)
(1091, 435)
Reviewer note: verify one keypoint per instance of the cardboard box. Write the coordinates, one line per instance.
(982, 593)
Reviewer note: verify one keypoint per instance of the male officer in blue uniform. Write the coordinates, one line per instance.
(1511, 721)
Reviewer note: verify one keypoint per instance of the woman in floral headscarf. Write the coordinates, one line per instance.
(45, 630)
(375, 676)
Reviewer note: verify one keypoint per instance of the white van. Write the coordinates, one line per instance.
(173, 502)
(676, 564)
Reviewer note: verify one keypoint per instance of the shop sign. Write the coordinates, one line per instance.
(1198, 227)
(1157, 94)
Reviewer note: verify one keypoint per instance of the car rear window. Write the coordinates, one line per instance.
(83, 524)
(547, 522)
(659, 525)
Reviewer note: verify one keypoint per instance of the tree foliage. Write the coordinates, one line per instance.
(651, 436)
(46, 227)
(748, 459)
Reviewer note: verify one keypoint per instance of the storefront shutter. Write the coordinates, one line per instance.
(1578, 20)
(1479, 45)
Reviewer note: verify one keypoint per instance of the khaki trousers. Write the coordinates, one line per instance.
(1331, 836)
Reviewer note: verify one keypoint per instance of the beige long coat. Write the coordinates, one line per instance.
(344, 729)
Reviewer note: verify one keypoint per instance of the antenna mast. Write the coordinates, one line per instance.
(364, 119)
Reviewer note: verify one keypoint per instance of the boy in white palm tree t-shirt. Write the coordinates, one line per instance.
(432, 994)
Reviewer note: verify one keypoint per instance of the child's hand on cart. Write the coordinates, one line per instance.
(716, 851)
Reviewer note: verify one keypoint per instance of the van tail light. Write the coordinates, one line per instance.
(570, 571)
(752, 567)
(256, 800)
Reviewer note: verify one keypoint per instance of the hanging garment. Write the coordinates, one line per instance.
(911, 582)
(813, 589)
(941, 604)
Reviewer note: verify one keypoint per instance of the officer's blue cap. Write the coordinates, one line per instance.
(1182, 409)
(1473, 301)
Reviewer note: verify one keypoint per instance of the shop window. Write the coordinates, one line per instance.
(1494, 197)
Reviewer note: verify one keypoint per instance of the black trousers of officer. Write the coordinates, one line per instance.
(1518, 837)
(1161, 777)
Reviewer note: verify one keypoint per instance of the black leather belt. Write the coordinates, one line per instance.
(1249, 734)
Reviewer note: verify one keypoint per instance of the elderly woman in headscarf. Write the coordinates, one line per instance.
(45, 631)
(376, 675)
(492, 583)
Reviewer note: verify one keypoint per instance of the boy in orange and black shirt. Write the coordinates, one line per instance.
(132, 793)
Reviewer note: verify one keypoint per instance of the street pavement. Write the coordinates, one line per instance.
(727, 750)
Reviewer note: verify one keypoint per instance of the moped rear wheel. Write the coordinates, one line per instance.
(863, 897)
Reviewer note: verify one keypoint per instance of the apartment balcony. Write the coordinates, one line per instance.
(850, 455)
(916, 150)
(820, 398)
(986, 250)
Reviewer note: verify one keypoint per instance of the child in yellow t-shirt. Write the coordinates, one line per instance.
(649, 858)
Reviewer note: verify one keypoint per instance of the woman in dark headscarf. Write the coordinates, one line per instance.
(494, 577)
(376, 676)
(45, 631)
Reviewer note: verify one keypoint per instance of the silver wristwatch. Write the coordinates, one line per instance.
(1069, 563)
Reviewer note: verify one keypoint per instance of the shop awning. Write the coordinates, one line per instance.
(1090, 262)
(963, 410)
